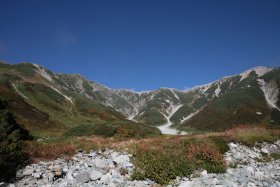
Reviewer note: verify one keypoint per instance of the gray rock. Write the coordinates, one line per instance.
(51, 177)
(215, 181)
(121, 160)
(65, 169)
(105, 179)
(90, 163)
(264, 150)
(100, 163)
(277, 184)
(28, 171)
(19, 175)
(203, 173)
(69, 175)
(92, 154)
(95, 175)
(250, 169)
(227, 183)
(57, 170)
(111, 185)
(250, 184)
(186, 184)
(83, 177)
(37, 175)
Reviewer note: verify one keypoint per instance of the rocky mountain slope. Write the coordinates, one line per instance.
(67, 99)
(52, 103)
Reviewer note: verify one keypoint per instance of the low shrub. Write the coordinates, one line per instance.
(207, 157)
(160, 166)
(12, 156)
(275, 156)
(118, 130)
(249, 135)
(88, 130)
(47, 151)
(162, 162)
(220, 143)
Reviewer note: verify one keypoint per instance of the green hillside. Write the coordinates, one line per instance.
(46, 106)
(55, 103)
(243, 104)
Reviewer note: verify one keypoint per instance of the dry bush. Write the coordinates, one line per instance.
(207, 157)
(250, 134)
(47, 151)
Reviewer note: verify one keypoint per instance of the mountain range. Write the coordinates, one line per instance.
(48, 102)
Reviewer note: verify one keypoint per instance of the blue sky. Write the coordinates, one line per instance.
(143, 44)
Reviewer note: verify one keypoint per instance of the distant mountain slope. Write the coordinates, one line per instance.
(251, 97)
(45, 101)
(65, 100)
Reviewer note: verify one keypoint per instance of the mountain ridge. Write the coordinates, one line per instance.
(159, 107)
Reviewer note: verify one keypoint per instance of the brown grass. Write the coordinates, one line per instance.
(244, 134)
(43, 151)
(204, 151)
(249, 135)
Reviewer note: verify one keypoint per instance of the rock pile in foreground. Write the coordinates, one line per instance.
(250, 167)
(101, 168)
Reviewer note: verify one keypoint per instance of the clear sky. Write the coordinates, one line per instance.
(142, 44)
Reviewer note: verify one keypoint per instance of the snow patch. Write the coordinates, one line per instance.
(259, 113)
(131, 116)
(66, 97)
(16, 89)
(166, 128)
(270, 91)
(43, 72)
(188, 117)
(217, 91)
(203, 88)
(175, 95)
(260, 70)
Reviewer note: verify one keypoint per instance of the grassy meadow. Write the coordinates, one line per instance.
(160, 158)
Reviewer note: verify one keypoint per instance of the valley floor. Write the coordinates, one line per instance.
(167, 129)
(247, 166)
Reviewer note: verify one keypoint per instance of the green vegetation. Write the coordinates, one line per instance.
(161, 166)
(24, 68)
(88, 130)
(219, 143)
(118, 130)
(12, 155)
(238, 106)
(160, 158)
(252, 134)
(44, 109)
(275, 156)
(185, 110)
(251, 137)
(163, 161)
(152, 117)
